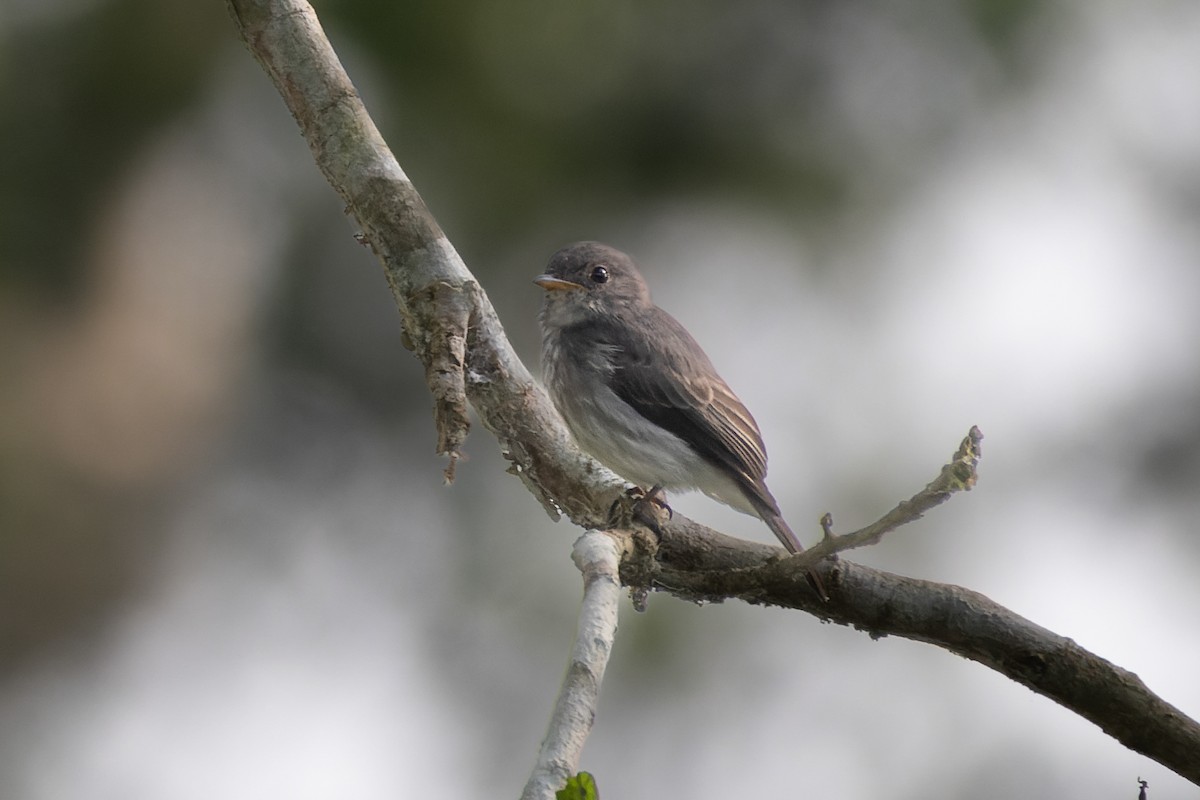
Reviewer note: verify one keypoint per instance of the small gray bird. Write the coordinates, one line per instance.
(640, 395)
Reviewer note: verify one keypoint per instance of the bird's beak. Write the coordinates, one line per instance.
(553, 284)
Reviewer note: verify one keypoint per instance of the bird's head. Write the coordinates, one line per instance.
(588, 279)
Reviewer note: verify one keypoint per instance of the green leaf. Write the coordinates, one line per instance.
(579, 787)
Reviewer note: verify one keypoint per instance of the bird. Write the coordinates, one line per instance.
(640, 395)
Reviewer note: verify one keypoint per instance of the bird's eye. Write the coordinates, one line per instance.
(599, 275)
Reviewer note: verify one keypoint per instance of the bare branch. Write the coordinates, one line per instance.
(957, 619)
(435, 293)
(597, 556)
(431, 286)
(695, 563)
(958, 475)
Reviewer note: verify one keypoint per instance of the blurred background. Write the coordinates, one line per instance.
(228, 566)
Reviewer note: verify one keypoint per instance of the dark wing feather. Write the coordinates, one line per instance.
(679, 390)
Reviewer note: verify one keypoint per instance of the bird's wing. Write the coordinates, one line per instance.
(671, 382)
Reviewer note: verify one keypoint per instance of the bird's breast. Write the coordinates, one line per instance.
(578, 376)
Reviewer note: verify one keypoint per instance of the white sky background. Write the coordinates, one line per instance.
(1037, 281)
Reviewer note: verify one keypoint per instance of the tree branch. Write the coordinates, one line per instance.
(433, 289)
(454, 331)
(697, 564)
(597, 555)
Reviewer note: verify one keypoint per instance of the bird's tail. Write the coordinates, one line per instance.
(792, 542)
(780, 528)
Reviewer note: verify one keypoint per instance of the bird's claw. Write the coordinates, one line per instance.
(644, 507)
(648, 509)
(658, 497)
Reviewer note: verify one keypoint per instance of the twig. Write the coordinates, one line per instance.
(597, 556)
(959, 475)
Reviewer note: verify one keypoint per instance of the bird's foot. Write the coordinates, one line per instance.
(650, 508)
(658, 497)
(620, 513)
(641, 506)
